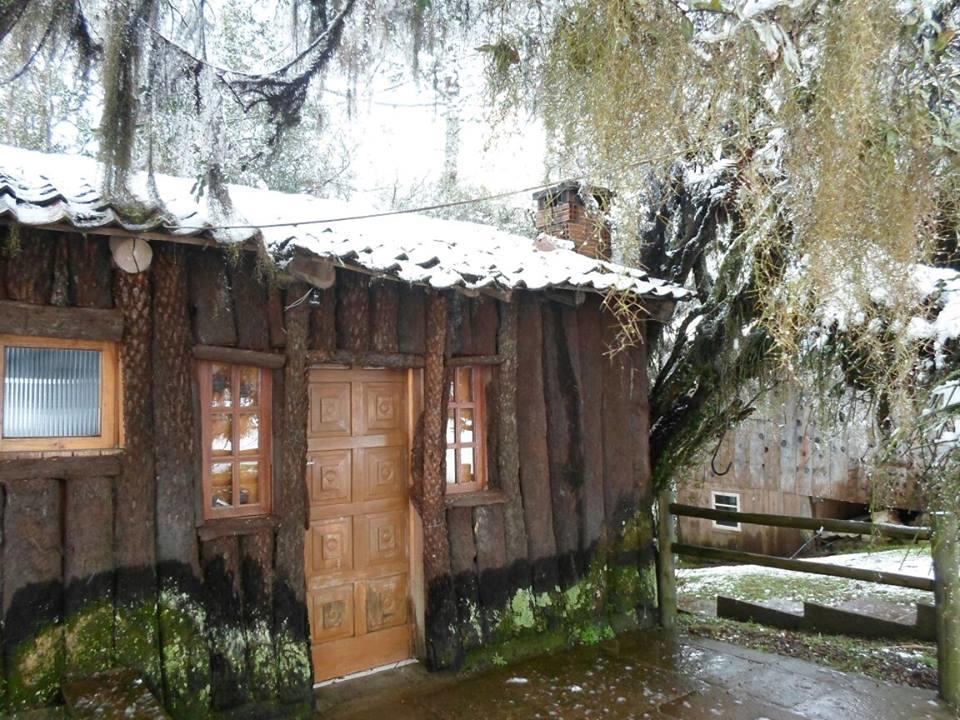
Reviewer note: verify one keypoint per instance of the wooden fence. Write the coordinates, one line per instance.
(945, 584)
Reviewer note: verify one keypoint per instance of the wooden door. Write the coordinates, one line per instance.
(357, 548)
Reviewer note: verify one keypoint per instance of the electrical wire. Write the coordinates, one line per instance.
(367, 216)
(409, 211)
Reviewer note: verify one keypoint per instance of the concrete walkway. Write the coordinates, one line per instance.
(639, 676)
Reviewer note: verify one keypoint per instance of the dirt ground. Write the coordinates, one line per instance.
(643, 675)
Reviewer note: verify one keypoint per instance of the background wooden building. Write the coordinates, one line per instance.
(786, 460)
(390, 439)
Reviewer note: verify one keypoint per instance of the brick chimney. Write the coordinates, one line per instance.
(574, 211)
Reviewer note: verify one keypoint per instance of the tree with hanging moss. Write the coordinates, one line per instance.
(794, 163)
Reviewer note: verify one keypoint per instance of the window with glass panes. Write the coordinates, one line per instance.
(236, 439)
(466, 466)
(726, 501)
(58, 394)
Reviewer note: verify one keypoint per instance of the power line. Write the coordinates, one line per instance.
(368, 216)
(410, 211)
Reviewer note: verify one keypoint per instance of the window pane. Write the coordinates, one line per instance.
(464, 385)
(467, 467)
(451, 431)
(451, 467)
(248, 433)
(466, 426)
(249, 483)
(249, 386)
(221, 434)
(221, 478)
(51, 392)
(222, 392)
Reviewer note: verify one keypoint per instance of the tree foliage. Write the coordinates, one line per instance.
(792, 162)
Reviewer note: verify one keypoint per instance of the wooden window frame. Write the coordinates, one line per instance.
(479, 445)
(264, 454)
(110, 397)
(718, 524)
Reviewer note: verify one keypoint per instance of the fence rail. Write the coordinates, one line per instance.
(805, 566)
(855, 527)
(945, 585)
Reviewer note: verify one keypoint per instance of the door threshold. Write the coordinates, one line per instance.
(365, 673)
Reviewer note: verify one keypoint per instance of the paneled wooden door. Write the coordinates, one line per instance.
(358, 545)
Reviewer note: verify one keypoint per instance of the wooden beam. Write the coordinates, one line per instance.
(249, 245)
(946, 560)
(365, 359)
(475, 499)
(570, 298)
(224, 527)
(804, 523)
(464, 360)
(62, 468)
(274, 361)
(19, 318)
(666, 573)
(309, 268)
(508, 449)
(804, 566)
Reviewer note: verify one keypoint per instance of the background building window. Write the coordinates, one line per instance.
(58, 394)
(236, 439)
(466, 461)
(726, 501)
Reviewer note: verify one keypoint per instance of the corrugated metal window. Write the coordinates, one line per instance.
(51, 392)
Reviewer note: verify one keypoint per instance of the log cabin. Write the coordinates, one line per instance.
(240, 458)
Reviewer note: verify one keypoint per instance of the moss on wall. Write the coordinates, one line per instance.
(34, 670)
(615, 594)
(171, 641)
(89, 639)
(184, 655)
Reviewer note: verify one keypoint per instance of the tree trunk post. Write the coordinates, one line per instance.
(666, 577)
(946, 573)
(443, 644)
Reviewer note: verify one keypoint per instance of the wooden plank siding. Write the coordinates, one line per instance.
(106, 559)
(780, 461)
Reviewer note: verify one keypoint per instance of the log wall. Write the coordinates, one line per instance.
(105, 559)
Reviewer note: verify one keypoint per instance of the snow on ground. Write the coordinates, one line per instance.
(756, 583)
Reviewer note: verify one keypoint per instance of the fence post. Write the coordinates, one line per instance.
(666, 578)
(946, 577)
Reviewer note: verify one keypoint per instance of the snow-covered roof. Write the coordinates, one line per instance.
(52, 189)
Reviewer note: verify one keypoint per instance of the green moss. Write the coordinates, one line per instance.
(3, 685)
(100, 637)
(609, 598)
(513, 649)
(293, 668)
(135, 639)
(34, 670)
(262, 659)
(89, 639)
(185, 656)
